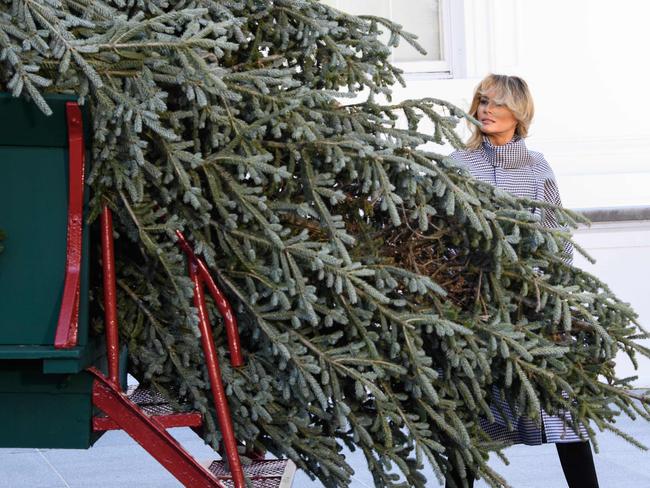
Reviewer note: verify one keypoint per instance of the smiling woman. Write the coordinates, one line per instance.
(504, 106)
(497, 121)
(497, 155)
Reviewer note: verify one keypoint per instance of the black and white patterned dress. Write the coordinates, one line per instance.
(515, 169)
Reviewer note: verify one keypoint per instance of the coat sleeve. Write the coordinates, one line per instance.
(549, 218)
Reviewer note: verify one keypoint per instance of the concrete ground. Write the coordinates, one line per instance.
(116, 461)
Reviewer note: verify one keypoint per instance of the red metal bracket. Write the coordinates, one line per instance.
(216, 385)
(68, 323)
(150, 434)
(190, 419)
(236, 357)
(110, 301)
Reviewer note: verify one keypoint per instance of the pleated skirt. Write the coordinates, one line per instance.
(556, 428)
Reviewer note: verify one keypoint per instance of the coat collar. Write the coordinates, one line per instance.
(513, 154)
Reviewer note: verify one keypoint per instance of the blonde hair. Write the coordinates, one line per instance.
(510, 91)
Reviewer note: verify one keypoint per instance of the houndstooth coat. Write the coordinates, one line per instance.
(515, 169)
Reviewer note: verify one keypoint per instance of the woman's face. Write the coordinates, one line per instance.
(497, 121)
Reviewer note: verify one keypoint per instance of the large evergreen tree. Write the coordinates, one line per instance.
(382, 294)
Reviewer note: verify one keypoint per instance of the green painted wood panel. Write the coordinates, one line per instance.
(23, 124)
(33, 215)
(44, 411)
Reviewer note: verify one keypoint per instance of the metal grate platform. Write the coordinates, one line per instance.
(154, 405)
(269, 473)
(150, 401)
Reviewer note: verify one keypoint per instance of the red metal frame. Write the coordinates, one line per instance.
(236, 357)
(191, 419)
(110, 301)
(150, 431)
(150, 434)
(216, 385)
(68, 323)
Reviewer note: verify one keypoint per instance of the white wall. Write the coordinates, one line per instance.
(586, 62)
(622, 251)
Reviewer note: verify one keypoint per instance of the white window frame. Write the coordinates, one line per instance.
(452, 27)
(453, 63)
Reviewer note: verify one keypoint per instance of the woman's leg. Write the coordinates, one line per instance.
(578, 464)
(458, 480)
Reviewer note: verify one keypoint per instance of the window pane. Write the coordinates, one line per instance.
(380, 8)
(422, 18)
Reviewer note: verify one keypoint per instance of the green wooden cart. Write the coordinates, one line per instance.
(60, 386)
(44, 390)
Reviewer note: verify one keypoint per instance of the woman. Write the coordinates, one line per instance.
(496, 154)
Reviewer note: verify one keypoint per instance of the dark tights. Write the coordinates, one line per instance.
(457, 481)
(577, 464)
